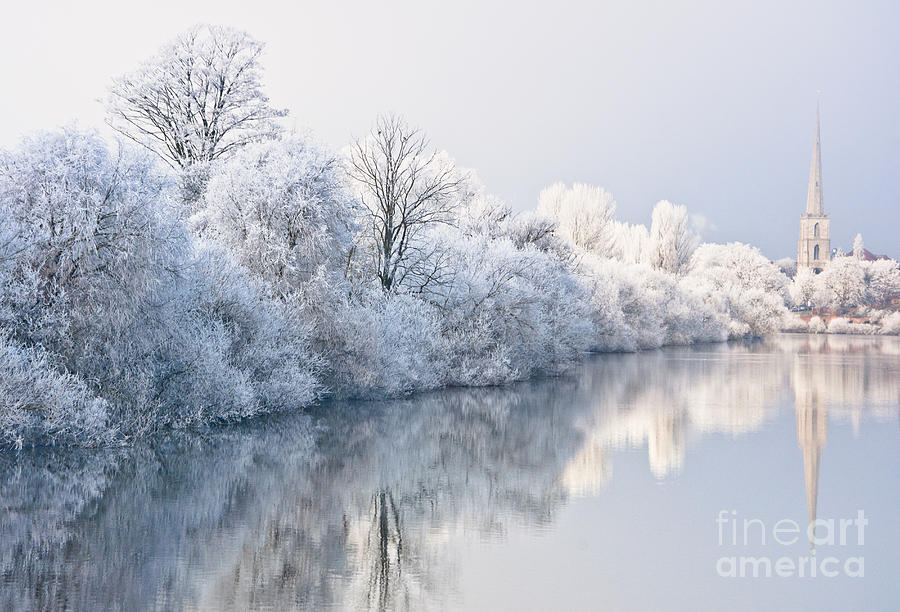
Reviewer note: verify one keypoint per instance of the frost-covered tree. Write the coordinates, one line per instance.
(510, 311)
(632, 243)
(742, 283)
(787, 265)
(859, 250)
(92, 227)
(804, 288)
(583, 215)
(636, 307)
(281, 209)
(533, 228)
(405, 188)
(744, 264)
(882, 281)
(671, 240)
(112, 324)
(843, 279)
(92, 240)
(198, 99)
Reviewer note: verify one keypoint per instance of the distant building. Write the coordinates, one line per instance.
(814, 246)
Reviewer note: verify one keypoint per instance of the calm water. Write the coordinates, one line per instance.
(596, 491)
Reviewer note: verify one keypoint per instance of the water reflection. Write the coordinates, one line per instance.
(356, 507)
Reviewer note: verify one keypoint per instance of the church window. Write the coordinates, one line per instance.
(816, 248)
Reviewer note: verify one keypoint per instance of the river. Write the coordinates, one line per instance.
(636, 482)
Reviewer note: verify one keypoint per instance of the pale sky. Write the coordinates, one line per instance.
(707, 104)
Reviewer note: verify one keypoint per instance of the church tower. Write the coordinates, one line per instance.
(814, 246)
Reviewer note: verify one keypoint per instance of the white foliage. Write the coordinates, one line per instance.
(119, 321)
(890, 324)
(636, 307)
(882, 280)
(583, 215)
(101, 276)
(41, 403)
(632, 243)
(804, 288)
(843, 281)
(741, 283)
(374, 344)
(280, 208)
(859, 251)
(817, 325)
(671, 240)
(508, 312)
(200, 98)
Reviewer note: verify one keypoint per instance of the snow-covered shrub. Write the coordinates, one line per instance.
(671, 240)
(41, 404)
(793, 323)
(583, 215)
(636, 307)
(508, 313)
(843, 281)
(373, 343)
(890, 324)
(632, 243)
(847, 282)
(98, 272)
(280, 209)
(839, 325)
(738, 281)
(239, 350)
(486, 215)
(538, 231)
(816, 325)
(804, 288)
(94, 248)
(882, 280)
(787, 266)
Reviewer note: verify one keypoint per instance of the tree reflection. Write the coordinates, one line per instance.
(356, 507)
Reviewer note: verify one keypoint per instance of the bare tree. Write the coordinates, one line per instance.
(198, 99)
(404, 188)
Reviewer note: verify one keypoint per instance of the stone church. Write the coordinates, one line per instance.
(814, 246)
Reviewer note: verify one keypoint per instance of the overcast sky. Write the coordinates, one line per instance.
(707, 104)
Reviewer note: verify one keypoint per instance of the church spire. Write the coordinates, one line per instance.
(815, 206)
(812, 434)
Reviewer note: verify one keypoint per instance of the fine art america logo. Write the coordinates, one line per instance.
(830, 543)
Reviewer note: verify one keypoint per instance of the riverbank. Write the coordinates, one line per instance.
(874, 323)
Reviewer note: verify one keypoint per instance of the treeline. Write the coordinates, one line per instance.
(212, 266)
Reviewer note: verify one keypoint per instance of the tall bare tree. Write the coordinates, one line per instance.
(405, 187)
(671, 240)
(198, 99)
